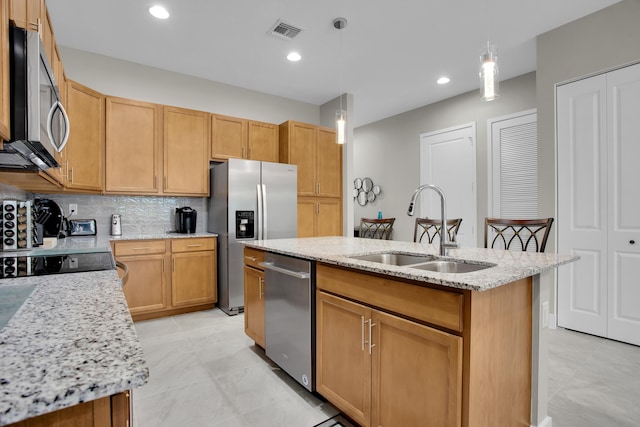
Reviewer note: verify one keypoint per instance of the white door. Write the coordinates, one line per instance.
(599, 204)
(513, 166)
(582, 213)
(623, 109)
(448, 160)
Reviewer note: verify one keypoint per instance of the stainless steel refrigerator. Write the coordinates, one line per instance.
(250, 200)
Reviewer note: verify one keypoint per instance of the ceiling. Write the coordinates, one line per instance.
(391, 52)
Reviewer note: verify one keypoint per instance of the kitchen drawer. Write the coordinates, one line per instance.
(193, 244)
(253, 258)
(139, 247)
(434, 306)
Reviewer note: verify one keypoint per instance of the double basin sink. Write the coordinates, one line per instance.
(423, 262)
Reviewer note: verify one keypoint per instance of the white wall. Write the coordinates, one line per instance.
(388, 151)
(129, 80)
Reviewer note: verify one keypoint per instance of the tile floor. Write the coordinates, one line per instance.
(205, 372)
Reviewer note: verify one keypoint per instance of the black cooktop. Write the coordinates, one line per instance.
(16, 265)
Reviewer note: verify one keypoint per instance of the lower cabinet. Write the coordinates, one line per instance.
(381, 369)
(110, 411)
(168, 277)
(254, 296)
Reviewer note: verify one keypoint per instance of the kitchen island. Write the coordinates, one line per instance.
(399, 345)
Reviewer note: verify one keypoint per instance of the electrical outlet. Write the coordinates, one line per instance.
(73, 262)
(545, 314)
(73, 209)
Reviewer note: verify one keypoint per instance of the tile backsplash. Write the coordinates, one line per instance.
(140, 214)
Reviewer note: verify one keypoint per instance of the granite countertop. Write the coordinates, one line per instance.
(509, 265)
(71, 341)
(69, 338)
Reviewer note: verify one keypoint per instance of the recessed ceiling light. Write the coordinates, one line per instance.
(159, 12)
(443, 80)
(294, 57)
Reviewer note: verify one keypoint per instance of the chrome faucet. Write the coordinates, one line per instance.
(444, 235)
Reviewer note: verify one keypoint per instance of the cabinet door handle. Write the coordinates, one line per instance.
(173, 266)
(371, 325)
(71, 175)
(362, 335)
(261, 284)
(163, 265)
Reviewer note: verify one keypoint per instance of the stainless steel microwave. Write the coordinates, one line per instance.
(39, 123)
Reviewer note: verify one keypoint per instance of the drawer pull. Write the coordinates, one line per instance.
(194, 245)
(251, 258)
(142, 249)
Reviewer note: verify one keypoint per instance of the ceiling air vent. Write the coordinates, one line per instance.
(284, 31)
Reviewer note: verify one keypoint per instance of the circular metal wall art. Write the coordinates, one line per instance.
(364, 191)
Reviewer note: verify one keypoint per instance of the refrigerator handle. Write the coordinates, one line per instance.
(259, 221)
(265, 229)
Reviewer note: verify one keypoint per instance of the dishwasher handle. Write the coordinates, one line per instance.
(296, 274)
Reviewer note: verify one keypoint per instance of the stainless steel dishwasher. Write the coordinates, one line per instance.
(289, 316)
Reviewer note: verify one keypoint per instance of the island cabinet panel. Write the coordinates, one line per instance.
(498, 356)
(438, 307)
(343, 363)
(381, 369)
(254, 295)
(109, 411)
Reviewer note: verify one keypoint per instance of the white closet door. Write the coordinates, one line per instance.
(582, 207)
(623, 109)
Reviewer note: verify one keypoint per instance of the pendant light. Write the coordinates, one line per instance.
(489, 83)
(341, 114)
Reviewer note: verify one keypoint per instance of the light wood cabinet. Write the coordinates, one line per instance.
(263, 141)
(146, 288)
(254, 296)
(133, 147)
(319, 216)
(186, 145)
(26, 13)
(228, 137)
(168, 277)
(84, 151)
(389, 370)
(193, 272)
(5, 112)
(438, 356)
(109, 411)
(233, 137)
(319, 159)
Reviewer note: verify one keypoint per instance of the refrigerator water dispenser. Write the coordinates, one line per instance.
(244, 225)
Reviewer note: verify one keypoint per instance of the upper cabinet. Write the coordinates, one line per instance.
(228, 137)
(85, 150)
(156, 150)
(319, 158)
(233, 137)
(5, 131)
(186, 145)
(262, 141)
(133, 147)
(26, 13)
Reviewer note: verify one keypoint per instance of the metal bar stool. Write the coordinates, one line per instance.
(519, 234)
(376, 228)
(430, 228)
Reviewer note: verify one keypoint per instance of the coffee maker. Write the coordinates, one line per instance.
(186, 220)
